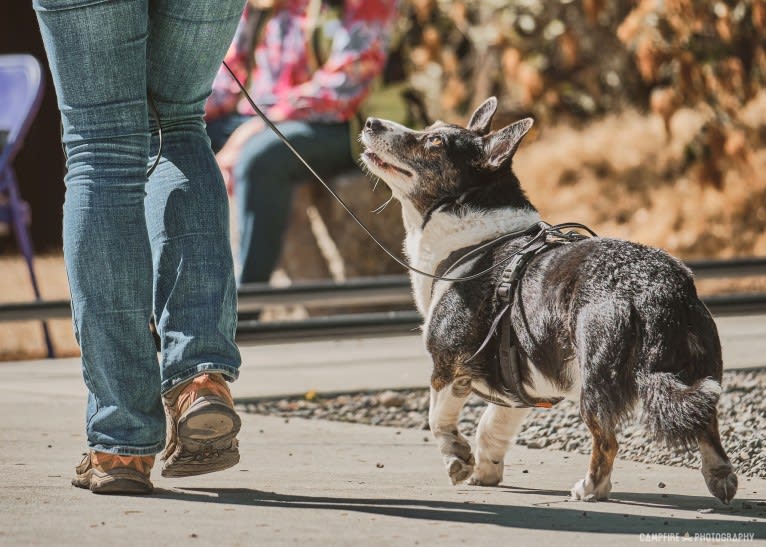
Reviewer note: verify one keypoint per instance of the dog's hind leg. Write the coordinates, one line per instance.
(597, 483)
(716, 467)
(605, 338)
(443, 414)
(497, 427)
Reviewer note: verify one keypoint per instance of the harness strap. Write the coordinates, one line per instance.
(510, 357)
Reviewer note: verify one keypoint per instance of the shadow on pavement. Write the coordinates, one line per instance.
(749, 507)
(581, 517)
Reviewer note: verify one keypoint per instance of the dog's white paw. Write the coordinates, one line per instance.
(487, 473)
(584, 490)
(459, 469)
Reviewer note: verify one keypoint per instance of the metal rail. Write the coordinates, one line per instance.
(354, 292)
(409, 321)
(734, 267)
(330, 326)
(394, 290)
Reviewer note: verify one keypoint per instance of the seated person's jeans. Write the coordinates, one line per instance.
(137, 246)
(264, 177)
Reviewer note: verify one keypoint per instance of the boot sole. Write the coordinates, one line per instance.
(115, 482)
(208, 426)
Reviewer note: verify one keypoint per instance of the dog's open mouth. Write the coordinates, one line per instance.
(374, 159)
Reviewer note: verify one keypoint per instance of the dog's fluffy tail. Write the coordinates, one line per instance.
(675, 413)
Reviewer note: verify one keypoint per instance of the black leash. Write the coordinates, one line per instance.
(156, 116)
(519, 233)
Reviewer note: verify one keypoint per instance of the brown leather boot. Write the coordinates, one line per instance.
(202, 427)
(105, 473)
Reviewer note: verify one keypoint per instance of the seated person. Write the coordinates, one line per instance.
(308, 65)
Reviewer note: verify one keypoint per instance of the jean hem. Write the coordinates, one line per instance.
(229, 372)
(128, 450)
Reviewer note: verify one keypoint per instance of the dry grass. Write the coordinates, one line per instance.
(619, 176)
(624, 179)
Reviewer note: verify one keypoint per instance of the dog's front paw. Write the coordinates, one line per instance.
(458, 458)
(460, 469)
(487, 473)
(585, 490)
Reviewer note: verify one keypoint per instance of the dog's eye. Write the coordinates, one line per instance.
(434, 140)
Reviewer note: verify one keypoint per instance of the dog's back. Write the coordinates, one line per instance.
(631, 317)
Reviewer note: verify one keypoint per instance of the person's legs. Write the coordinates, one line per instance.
(195, 296)
(265, 175)
(186, 203)
(97, 53)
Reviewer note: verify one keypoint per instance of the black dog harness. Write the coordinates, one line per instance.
(545, 237)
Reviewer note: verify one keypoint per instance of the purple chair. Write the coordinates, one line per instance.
(21, 90)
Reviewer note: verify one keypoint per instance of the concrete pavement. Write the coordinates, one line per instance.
(324, 483)
(329, 483)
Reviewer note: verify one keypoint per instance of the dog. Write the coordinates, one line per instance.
(608, 322)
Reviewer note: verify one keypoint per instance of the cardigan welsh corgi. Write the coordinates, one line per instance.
(609, 322)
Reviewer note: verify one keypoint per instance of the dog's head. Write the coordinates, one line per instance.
(427, 168)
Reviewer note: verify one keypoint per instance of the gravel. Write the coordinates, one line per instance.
(742, 417)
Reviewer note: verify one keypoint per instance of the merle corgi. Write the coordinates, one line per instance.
(610, 323)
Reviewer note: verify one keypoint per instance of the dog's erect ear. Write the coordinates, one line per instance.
(501, 145)
(481, 120)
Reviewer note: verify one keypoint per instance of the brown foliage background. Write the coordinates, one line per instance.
(572, 61)
(650, 114)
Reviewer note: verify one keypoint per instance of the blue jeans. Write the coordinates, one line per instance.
(137, 246)
(264, 177)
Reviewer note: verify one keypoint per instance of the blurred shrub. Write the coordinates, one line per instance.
(697, 52)
(550, 58)
(575, 59)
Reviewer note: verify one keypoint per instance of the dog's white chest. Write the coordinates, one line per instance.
(444, 234)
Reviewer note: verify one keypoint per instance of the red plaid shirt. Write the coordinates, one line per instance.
(282, 81)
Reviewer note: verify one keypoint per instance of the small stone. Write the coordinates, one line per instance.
(379, 465)
(391, 399)
(661, 484)
(525, 471)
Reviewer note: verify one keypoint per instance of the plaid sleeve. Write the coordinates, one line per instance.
(226, 92)
(357, 57)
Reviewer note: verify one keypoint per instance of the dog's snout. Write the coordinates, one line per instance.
(374, 124)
